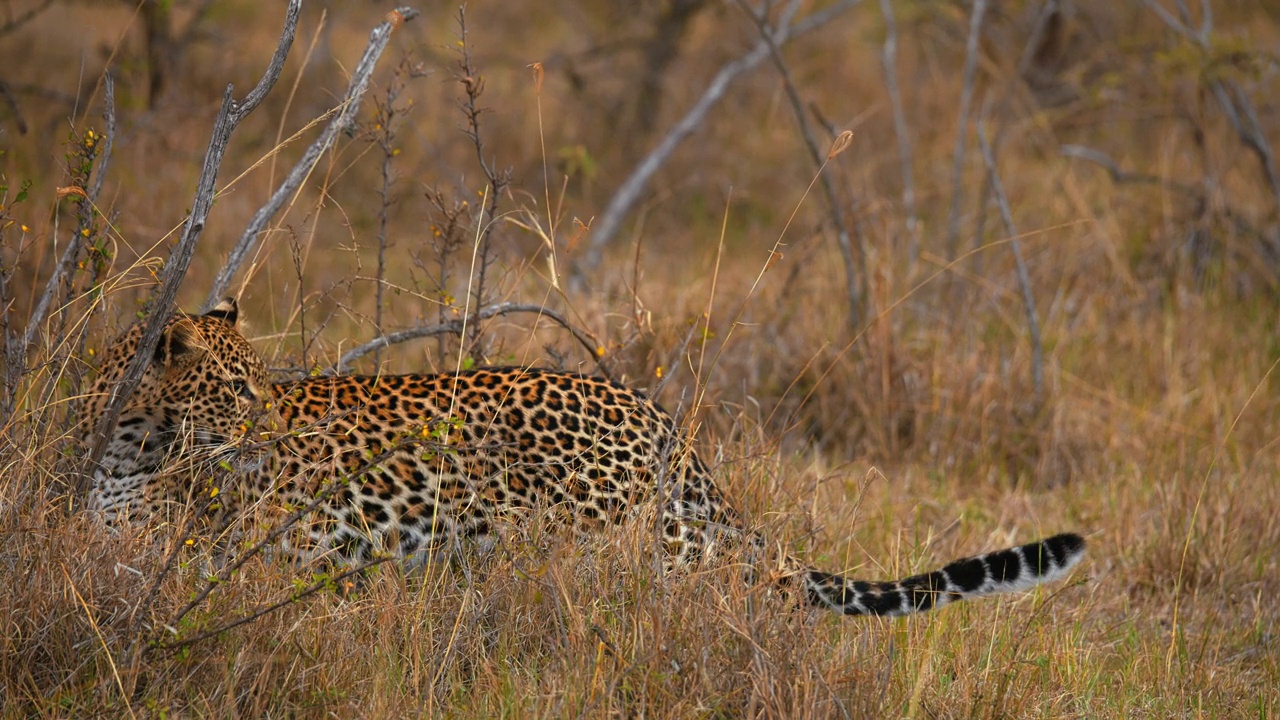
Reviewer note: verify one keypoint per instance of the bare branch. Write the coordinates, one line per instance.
(962, 125)
(1170, 20)
(24, 18)
(12, 102)
(1124, 177)
(345, 118)
(1244, 118)
(1024, 279)
(1233, 100)
(889, 59)
(109, 137)
(633, 187)
(161, 306)
(816, 155)
(456, 327)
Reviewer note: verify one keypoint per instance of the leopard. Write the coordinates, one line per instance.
(411, 465)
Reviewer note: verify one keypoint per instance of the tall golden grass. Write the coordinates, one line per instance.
(880, 449)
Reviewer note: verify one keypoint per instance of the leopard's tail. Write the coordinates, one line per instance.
(1008, 570)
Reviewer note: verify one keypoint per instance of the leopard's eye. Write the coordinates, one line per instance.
(241, 388)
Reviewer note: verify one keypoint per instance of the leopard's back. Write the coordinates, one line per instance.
(428, 459)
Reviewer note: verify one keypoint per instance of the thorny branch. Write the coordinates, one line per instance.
(384, 137)
(629, 193)
(456, 327)
(93, 154)
(345, 118)
(88, 201)
(473, 85)
(161, 305)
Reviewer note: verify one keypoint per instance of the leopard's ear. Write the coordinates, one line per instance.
(227, 311)
(179, 340)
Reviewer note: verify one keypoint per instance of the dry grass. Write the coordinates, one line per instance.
(880, 450)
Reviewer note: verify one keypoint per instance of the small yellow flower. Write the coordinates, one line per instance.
(26, 229)
(190, 542)
(600, 351)
(213, 492)
(658, 372)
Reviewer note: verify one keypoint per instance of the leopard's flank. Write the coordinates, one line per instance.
(411, 464)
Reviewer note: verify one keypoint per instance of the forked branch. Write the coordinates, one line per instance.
(344, 119)
(161, 306)
(633, 187)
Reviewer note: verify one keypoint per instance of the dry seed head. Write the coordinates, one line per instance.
(396, 19)
(537, 77)
(71, 190)
(842, 142)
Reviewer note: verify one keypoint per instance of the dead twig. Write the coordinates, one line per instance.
(1024, 279)
(161, 305)
(457, 327)
(962, 125)
(344, 119)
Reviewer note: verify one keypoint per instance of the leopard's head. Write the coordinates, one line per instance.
(204, 402)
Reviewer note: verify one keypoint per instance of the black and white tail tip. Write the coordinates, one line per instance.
(1008, 570)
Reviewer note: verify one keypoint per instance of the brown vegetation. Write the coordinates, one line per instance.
(851, 345)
